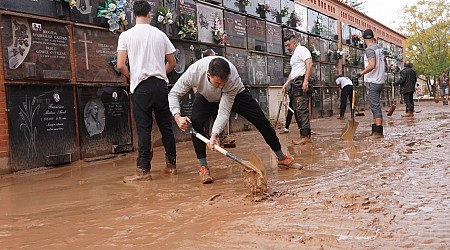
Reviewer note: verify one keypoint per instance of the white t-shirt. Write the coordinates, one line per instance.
(147, 48)
(301, 53)
(343, 81)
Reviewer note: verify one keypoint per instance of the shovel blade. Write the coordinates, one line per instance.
(391, 110)
(349, 130)
(257, 163)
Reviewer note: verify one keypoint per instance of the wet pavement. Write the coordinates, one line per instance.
(386, 193)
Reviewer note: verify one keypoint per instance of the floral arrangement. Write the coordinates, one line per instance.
(284, 12)
(318, 27)
(245, 2)
(356, 38)
(219, 34)
(263, 8)
(348, 59)
(340, 53)
(188, 27)
(165, 16)
(72, 3)
(314, 52)
(114, 11)
(294, 19)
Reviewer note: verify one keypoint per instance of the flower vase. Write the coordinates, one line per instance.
(293, 23)
(262, 14)
(278, 18)
(242, 8)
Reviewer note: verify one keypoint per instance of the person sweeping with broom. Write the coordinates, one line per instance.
(220, 90)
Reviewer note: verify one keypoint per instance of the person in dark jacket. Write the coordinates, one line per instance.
(407, 82)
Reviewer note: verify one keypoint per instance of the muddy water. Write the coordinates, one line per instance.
(366, 194)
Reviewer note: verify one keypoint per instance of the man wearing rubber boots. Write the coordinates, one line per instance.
(374, 76)
(220, 91)
(301, 64)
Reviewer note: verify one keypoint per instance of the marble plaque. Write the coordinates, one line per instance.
(301, 22)
(38, 7)
(182, 11)
(206, 16)
(185, 55)
(256, 34)
(156, 7)
(288, 6)
(35, 49)
(85, 11)
(274, 38)
(286, 66)
(287, 33)
(41, 121)
(103, 119)
(95, 55)
(235, 27)
(260, 95)
(257, 69)
(239, 58)
(275, 72)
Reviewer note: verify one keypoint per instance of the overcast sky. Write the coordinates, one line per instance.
(386, 11)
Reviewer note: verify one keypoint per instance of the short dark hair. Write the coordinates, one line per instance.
(219, 67)
(290, 38)
(208, 52)
(141, 8)
(408, 64)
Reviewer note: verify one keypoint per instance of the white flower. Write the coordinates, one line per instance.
(190, 22)
(170, 21)
(160, 18)
(112, 7)
(123, 16)
(169, 15)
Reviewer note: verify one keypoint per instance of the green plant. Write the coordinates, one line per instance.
(284, 12)
(114, 11)
(188, 27)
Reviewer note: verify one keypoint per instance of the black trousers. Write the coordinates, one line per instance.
(244, 105)
(347, 92)
(150, 97)
(289, 113)
(301, 106)
(409, 101)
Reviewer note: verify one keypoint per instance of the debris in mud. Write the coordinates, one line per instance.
(255, 181)
(214, 197)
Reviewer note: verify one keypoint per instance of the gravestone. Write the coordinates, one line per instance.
(186, 104)
(235, 27)
(302, 17)
(31, 47)
(239, 58)
(41, 121)
(95, 55)
(286, 66)
(274, 38)
(206, 16)
(275, 70)
(38, 7)
(185, 55)
(156, 7)
(260, 95)
(103, 119)
(290, 7)
(287, 33)
(256, 34)
(257, 69)
(182, 11)
(85, 11)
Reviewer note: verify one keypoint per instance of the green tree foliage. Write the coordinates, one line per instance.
(357, 4)
(427, 25)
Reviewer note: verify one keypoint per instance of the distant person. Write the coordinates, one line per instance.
(220, 90)
(298, 78)
(209, 52)
(346, 86)
(443, 87)
(147, 49)
(407, 82)
(374, 76)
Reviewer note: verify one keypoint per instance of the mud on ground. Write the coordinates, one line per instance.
(367, 194)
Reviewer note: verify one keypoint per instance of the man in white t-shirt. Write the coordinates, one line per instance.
(147, 49)
(346, 86)
(301, 64)
(374, 76)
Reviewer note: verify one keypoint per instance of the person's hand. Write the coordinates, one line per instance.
(305, 85)
(182, 122)
(356, 76)
(214, 140)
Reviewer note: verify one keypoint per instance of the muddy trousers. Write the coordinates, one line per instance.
(346, 93)
(374, 96)
(301, 108)
(289, 113)
(150, 97)
(409, 101)
(244, 105)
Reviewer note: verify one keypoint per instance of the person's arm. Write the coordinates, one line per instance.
(286, 84)
(309, 64)
(171, 62)
(181, 87)
(121, 63)
(402, 79)
(370, 66)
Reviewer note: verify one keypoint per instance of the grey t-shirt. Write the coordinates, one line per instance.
(378, 74)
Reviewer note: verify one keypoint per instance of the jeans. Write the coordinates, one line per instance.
(301, 107)
(374, 98)
(409, 101)
(149, 97)
(346, 93)
(244, 105)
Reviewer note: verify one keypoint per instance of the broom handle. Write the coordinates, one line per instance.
(353, 102)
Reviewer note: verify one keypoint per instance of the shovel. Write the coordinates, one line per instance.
(255, 173)
(350, 127)
(279, 109)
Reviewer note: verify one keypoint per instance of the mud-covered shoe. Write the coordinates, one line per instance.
(284, 131)
(205, 177)
(141, 175)
(289, 163)
(303, 140)
(170, 168)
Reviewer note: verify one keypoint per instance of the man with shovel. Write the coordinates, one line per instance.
(374, 76)
(220, 90)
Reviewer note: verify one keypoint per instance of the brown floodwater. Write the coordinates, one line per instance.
(386, 193)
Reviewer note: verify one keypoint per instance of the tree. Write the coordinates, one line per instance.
(427, 26)
(357, 4)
